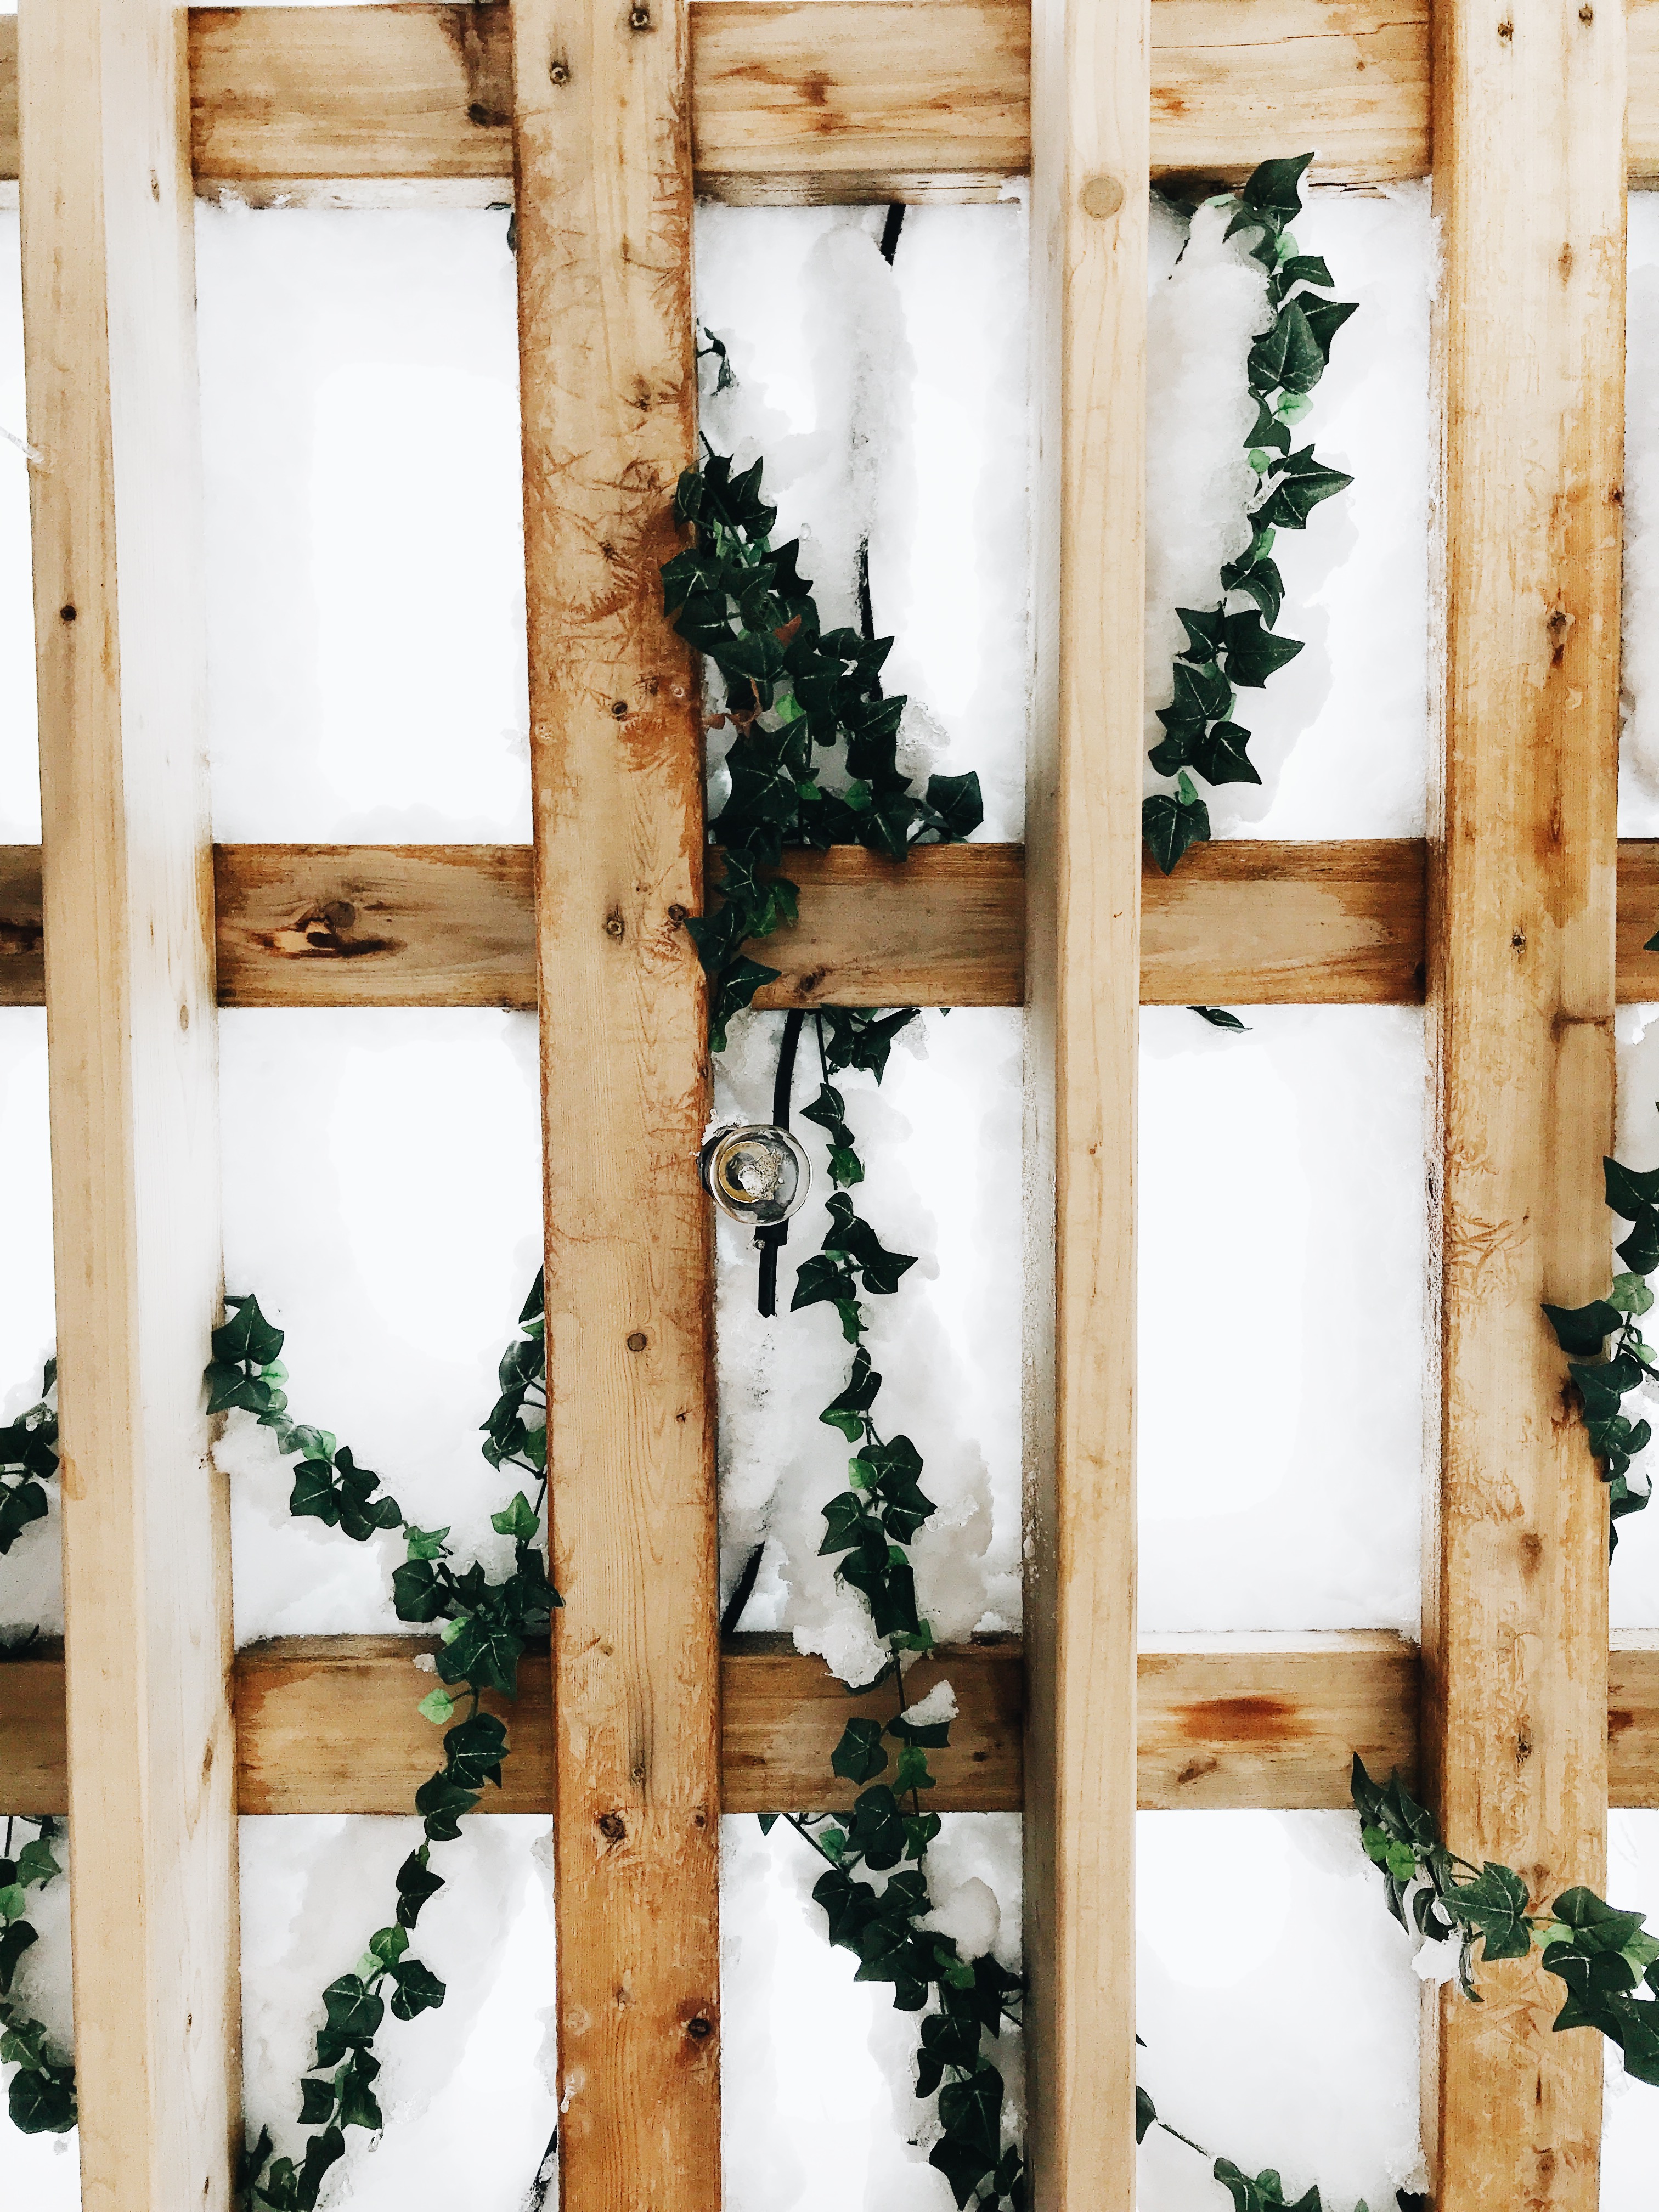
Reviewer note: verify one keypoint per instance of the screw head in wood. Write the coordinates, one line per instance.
(755, 1173)
(558, 72)
(1102, 194)
(639, 19)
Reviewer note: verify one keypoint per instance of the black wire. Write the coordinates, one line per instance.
(744, 1590)
(890, 232)
(771, 1239)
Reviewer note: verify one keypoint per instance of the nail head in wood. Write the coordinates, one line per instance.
(1103, 194)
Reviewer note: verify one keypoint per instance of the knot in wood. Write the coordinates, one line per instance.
(700, 2027)
(636, 1340)
(619, 708)
(612, 1828)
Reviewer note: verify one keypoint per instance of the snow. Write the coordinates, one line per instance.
(815, 2068)
(467, 2090)
(1631, 2109)
(889, 404)
(1279, 2009)
(1282, 1355)
(1639, 787)
(382, 1198)
(42, 2170)
(1341, 733)
(940, 1142)
(31, 1578)
(364, 549)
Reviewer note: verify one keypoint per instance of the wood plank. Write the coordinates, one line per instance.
(1262, 924)
(608, 378)
(1091, 104)
(1273, 1722)
(110, 362)
(799, 100)
(1529, 191)
(1242, 922)
(327, 1724)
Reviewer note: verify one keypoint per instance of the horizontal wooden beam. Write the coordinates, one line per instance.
(811, 99)
(1242, 923)
(328, 1724)
(798, 100)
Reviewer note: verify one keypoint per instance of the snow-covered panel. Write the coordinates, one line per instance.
(889, 404)
(43, 2171)
(1282, 1238)
(1638, 775)
(365, 552)
(382, 1194)
(467, 2090)
(1278, 2008)
(31, 1576)
(940, 1138)
(1630, 2114)
(816, 2114)
(20, 778)
(1633, 1590)
(1341, 733)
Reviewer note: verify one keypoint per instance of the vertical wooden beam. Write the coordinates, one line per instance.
(1528, 178)
(609, 421)
(109, 318)
(1090, 106)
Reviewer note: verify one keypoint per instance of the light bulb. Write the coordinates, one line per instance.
(754, 1173)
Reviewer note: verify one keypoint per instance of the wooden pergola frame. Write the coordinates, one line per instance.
(638, 1729)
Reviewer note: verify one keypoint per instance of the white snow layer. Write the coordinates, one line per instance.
(1630, 2120)
(31, 1576)
(1276, 1999)
(43, 2171)
(1341, 733)
(889, 403)
(20, 780)
(1634, 1585)
(361, 434)
(1639, 765)
(815, 2068)
(940, 1143)
(1282, 1233)
(382, 1192)
(468, 2091)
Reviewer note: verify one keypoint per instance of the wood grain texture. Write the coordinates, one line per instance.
(807, 99)
(1269, 1720)
(327, 1724)
(1530, 190)
(1242, 923)
(1090, 106)
(109, 298)
(609, 394)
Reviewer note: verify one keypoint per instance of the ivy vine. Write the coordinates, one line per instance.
(793, 690)
(1604, 1377)
(1229, 647)
(40, 2096)
(1252, 2192)
(488, 1623)
(874, 1892)
(1606, 1957)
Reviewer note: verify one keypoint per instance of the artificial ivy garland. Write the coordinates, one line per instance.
(487, 1628)
(1608, 1961)
(1604, 1378)
(40, 2097)
(1225, 649)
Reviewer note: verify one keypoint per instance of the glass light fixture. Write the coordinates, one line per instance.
(757, 1174)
